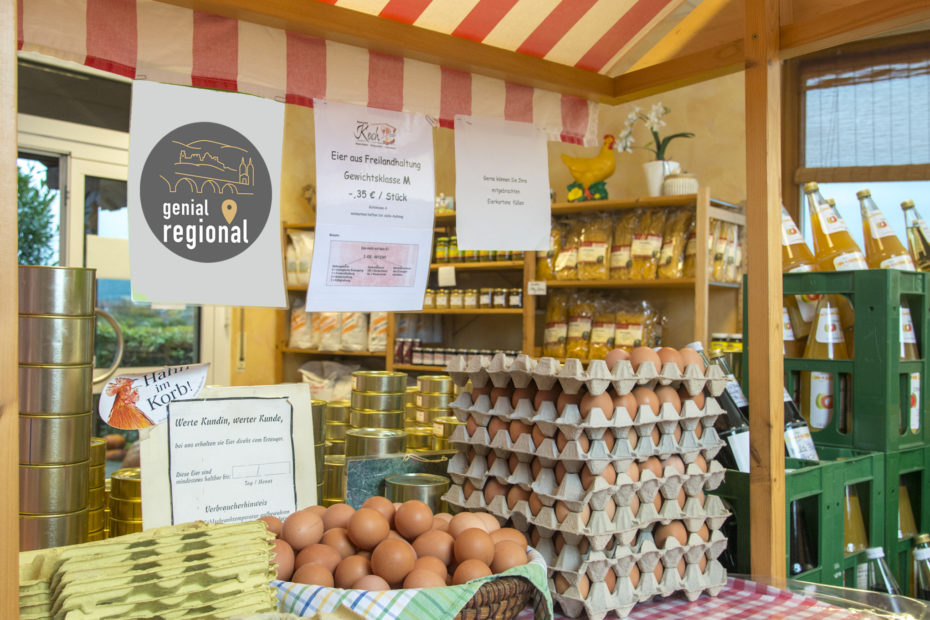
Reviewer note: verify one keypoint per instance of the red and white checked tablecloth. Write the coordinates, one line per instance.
(739, 599)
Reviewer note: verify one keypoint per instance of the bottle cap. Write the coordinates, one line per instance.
(697, 346)
(863, 193)
(717, 353)
(922, 538)
(873, 553)
(922, 554)
(810, 188)
(907, 204)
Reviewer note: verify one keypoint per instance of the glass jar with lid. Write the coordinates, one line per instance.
(502, 255)
(442, 250)
(454, 255)
(429, 299)
(470, 299)
(499, 298)
(515, 298)
(456, 299)
(442, 299)
(486, 298)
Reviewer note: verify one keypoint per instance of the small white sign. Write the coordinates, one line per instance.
(501, 185)
(131, 401)
(446, 275)
(231, 460)
(536, 287)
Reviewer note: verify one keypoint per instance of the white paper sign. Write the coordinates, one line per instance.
(374, 222)
(130, 401)
(536, 287)
(231, 460)
(501, 185)
(445, 275)
(204, 176)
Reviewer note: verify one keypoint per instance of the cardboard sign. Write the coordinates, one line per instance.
(131, 401)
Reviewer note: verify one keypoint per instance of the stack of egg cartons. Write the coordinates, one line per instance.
(607, 482)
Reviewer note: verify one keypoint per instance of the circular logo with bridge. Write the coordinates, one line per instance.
(205, 192)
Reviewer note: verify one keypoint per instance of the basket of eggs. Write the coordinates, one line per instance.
(367, 555)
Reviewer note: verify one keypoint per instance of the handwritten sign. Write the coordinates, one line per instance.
(131, 401)
(231, 460)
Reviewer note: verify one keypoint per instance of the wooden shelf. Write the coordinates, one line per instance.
(620, 204)
(723, 285)
(297, 287)
(420, 367)
(502, 265)
(298, 226)
(444, 219)
(332, 353)
(667, 283)
(478, 311)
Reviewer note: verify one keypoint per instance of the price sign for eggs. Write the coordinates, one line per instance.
(374, 222)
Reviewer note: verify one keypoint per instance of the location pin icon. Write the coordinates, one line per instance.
(229, 210)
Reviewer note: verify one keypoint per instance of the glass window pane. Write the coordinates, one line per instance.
(105, 211)
(38, 212)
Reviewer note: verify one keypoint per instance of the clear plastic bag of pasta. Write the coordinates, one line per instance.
(690, 265)
(580, 318)
(594, 247)
(734, 257)
(674, 238)
(717, 252)
(654, 321)
(566, 263)
(629, 326)
(555, 332)
(647, 243)
(620, 261)
(602, 329)
(545, 263)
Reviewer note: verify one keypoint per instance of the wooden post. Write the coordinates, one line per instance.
(529, 304)
(701, 275)
(763, 219)
(9, 325)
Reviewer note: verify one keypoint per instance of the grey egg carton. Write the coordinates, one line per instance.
(572, 375)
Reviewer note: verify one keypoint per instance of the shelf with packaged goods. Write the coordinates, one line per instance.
(419, 368)
(503, 265)
(466, 311)
(318, 352)
(665, 283)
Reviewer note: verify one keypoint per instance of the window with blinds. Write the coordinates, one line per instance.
(866, 109)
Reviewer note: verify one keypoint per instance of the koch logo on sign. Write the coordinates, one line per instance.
(375, 134)
(205, 192)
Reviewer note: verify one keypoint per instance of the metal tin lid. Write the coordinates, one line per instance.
(126, 483)
(922, 538)
(98, 450)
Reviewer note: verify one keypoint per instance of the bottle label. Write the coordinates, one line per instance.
(915, 402)
(903, 262)
(821, 399)
(567, 259)
(830, 220)
(878, 225)
(603, 334)
(592, 253)
(850, 261)
(736, 392)
(620, 257)
(802, 268)
(667, 255)
(924, 228)
(579, 328)
(554, 333)
(646, 246)
(628, 335)
(807, 306)
(829, 330)
(862, 576)
(787, 333)
(907, 327)
(789, 232)
(691, 245)
(800, 444)
(739, 445)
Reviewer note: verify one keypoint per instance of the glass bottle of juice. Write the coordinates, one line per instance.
(825, 342)
(918, 236)
(909, 351)
(834, 247)
(797, 257)
(907, 526)
(883, 249)
(855, 538)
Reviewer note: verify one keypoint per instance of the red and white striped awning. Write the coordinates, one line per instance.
(144, 39)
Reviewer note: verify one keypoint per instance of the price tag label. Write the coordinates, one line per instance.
(446, 275)
(536, 287)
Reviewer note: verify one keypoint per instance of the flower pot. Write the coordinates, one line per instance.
(655, 174)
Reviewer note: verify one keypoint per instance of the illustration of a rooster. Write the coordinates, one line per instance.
(590, 172)
(124, 413)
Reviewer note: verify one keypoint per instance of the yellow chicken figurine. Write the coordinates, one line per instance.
(591, 172)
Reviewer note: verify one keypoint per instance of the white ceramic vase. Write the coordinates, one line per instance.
(655, 173)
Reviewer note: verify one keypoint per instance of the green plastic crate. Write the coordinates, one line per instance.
(876, 380)
(912, 467)
(819, 486)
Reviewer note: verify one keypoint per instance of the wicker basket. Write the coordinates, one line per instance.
(500, 599)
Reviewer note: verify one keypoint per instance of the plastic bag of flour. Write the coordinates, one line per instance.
(377, 331)
(301, 331)
(329, 325)
(303, 250)
(354, 331)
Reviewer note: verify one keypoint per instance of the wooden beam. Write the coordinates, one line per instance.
(792, 137)
(764, 295)
(9, 325)
(334, 23)
(864, 174)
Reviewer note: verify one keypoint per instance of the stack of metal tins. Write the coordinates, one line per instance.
(317, 408)
(125, 501)
(376, 416)
(410, 407)
(434, 395)
(334, 463)
(95, 496)
(56, 348)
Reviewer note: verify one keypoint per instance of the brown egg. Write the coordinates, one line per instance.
(365, 554)
(536, 467)
(602, 401)
(583, 586)
(474, 544)
(516, 494)
(317, 510)
(476, 392)
(313, 574)
(445, 516)
(633, 471)
(682, 497)
(534, 537)
(644, 354)
(470, 569)
(432, 563)
(513, 461)
(393, 535)
(652, 464)
(690, 356)
(413, 518)
(558, 542)
(350, 570)
(423, 578)
(464, 521)
(615, 356)
(681, 566)
(627, 401)
(283, 557)
(538, 436)
(701, 462)
(507, 554)
(561, 583)
(675, 462)
(657, 501)
(608, 439)
(645, 396)
(676, 433)
(655, 435)
(609, 474)
(498, 392)
(675, 529)
(698, 431)
(495, 426)
(468, 488)
(528, 392)
(489, 522)
(658, 571)
(518, 428)
(562, 511)
(368, 527)
(471, 425)
(704, 533)
(301, 529)
(561, 440)
(610, 580)
(273, 524)
(372, 583)
(337, 515)
(338, 539)
(535, 503)
(567, 399)
(392, 560)
(668, 355)
(490, 457)
(560, 472)
(668, 394)
(320, 554)
(509, 533)
(632, 437)
(634, 575)
(697, 398)
(436, 544)
(634, 504)
(440, 524)
(547, 396)
(382, 505)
